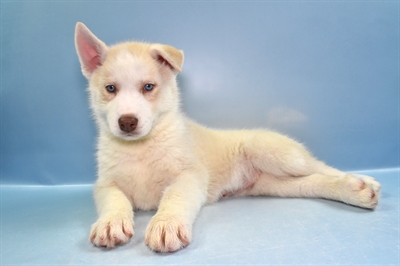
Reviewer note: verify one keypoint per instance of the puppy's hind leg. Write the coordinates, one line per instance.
(361, 191)
(275, 154)
(287, 169)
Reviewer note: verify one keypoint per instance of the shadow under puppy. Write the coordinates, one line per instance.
(150, 156)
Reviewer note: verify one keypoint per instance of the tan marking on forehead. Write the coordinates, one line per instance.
(131, 64)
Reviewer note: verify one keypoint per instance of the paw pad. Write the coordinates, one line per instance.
(359, 190)
(111, 232)
(167, 234)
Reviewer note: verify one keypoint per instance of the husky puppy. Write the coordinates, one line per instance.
(150, 156)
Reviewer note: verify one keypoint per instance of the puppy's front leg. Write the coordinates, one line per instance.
(171, 228)
(115, 223)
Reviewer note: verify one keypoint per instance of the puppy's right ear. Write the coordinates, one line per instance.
(91, 51)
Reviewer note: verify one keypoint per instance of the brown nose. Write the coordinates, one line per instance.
(127, 123)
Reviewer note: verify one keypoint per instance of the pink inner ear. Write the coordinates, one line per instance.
(90, 55)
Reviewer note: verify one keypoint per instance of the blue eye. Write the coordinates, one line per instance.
(148, 87)
(111, 88)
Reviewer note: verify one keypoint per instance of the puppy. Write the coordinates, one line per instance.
(150, 156)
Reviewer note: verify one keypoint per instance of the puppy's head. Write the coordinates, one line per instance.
(131, 85)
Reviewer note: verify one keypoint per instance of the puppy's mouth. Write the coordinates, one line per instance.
(129, 136)
(132, 134)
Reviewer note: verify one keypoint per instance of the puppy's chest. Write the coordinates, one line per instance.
(143, 174)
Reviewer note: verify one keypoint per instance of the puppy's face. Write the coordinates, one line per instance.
(131, 85)
(131, 90)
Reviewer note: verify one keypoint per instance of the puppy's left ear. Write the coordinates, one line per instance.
(168, 56)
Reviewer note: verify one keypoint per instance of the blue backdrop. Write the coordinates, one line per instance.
(324, 72)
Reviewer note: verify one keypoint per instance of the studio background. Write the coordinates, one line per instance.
(324, 72)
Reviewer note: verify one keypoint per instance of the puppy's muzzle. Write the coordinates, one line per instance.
(128, 123)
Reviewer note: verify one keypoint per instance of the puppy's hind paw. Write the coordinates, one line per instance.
(360, 190)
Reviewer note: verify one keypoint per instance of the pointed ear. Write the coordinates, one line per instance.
(91, 51)
(168, 55)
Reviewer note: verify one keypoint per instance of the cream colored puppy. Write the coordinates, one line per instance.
(150, 156)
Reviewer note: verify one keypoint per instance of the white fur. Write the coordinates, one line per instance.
(174, 165)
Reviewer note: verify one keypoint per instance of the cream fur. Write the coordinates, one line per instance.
(174, 165)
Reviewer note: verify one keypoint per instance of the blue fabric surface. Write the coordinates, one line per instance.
(50, 226)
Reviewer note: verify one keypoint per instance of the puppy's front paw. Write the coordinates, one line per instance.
(111, 231)
(360, 190)
(167, 234)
